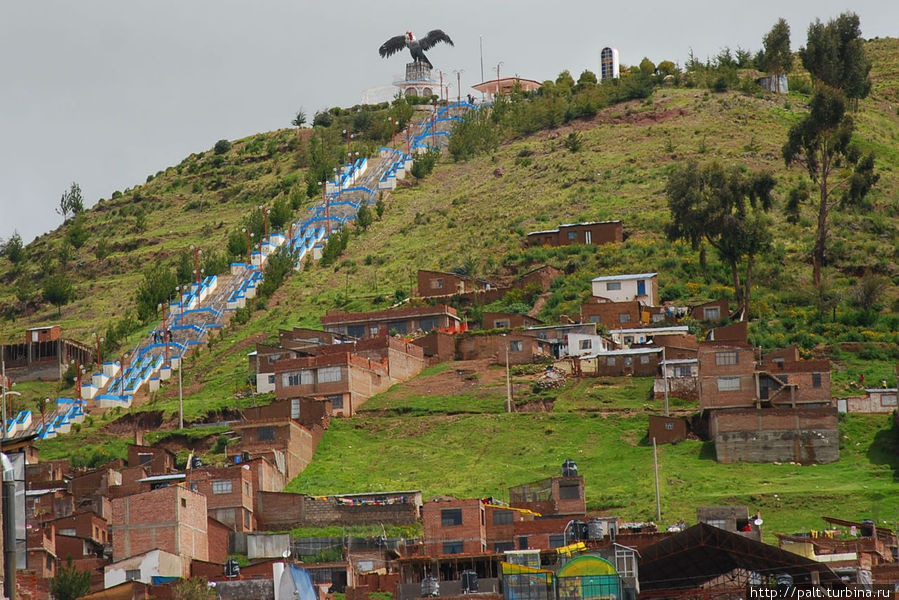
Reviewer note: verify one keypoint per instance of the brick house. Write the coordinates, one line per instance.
(612, 314)
(642, 336)
(667, 430)
(308, 412)
(596, 232)
(229, 494)
(581, 344)
(735, 332)
(438, 283)
(805, 434)
(95, 483)
(711, 311)
(84, 524)
(40, 550)
(156, 461)
(637, 362)
(381, 323)
(621, 288)
(171, 519)
(522, 347)
(348, 374)
(283, 442)
(875, 400)
(731, 377)
(278, 511)
(556, 496)
(557, 335)
(503, 320)
(454, 526)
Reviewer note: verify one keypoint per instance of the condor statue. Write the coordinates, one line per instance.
(416, 47)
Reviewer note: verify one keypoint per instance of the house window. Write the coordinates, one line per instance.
(221, 486)
(336, 401)
(628, 361)
(194, 487)
(728, 384)
(273, 357)
(503, 547)
(437, 283)
(569, 492)
(294, 408)
(503, 517)
(572, 235)
(293, 378)
(246, 519)
(132, 574)
(265, 434)
(374, 330)
(657, 317)
(719, 523)
(816, 380)
(594, 318)
(428, 323)
(628, 340)
(271, 379)
(516, 346)
(144, 458)
(712, 313)
(450, 517)
(184, 502)
(727, 357)
(356, 331)
(624, 317)
(330, 374)
(610, 361)
(523, 542)
(683, 372)
(454, 547)
(398, 327)
(246, 488)
(556, 540)
(669, 426)
(888, 400)
(613, 286)
(585, 344)
(501, 324)
(644, 360)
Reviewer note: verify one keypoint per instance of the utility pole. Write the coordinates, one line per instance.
(481, 37)
(458, 87)
(665, 379)
(508, 379)
(495, 94)
(655, 462)
(180, 393)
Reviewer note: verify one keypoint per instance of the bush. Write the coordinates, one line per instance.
(222, 147)
(423, 164)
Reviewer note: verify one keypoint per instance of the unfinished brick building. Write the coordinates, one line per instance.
(595, 232)
(400, 321)
(172, 519)
(283, 442)
(229, 494)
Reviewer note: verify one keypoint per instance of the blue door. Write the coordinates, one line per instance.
(641, 288)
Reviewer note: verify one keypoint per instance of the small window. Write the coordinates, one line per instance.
(294, 408)
(644, 360)
(888, 400)
(194, 487)
(711, 313)
(585, 344)
(184, 502)
(572, 235)
(330, 374)
(669, 426)
(450, 517)
(428, 323)
(556, 540)
(356, 331)
(624, 317)
(336, 402)
(628, 361)
(683, 371)
(523, 542)
(816, 380)
(437, 283)
(272, 358)
(628, 340)
(246, 519)
(727, 357)
(613, 286)
(144, 458)
(454, 547)
(265, 434)
(728, 384)
(516, 346)
(503, 517)
(500, 323)
(400, 327)
(499, 547)
(271, 379)
(132, 574)
(719, 523)
(610, 361)
(569, 492)
(594, 318)
(221, 486)
(246, 488)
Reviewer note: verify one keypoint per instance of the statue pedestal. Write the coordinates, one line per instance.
(419, 81)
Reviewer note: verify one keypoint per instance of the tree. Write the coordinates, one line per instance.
(77, 234)
(724, 206)
(280, 213)
(300, 119)
(777, 58)
(647, 67)
(364, 217)
(71, 202)
(70, 583)
(158, 285)
(13, 249)
(835, 55)
(58, 291)
(222, 147)
(195, 588)
(821, 142)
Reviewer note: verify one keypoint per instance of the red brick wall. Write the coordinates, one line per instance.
(438, 344)
(471, 532)
(217, 535)
(85, 524)
(610, 313)
(172, 519)
(601, 233)
(286, 510)
(513, 320)
(161, 463)
(471, 347)
(234, 509)
(291, 438)
(804, 435)
(698, 312)
(664, 435)
(451, 284)
(710, 371)
(625, 365)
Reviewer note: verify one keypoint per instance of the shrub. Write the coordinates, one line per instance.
(222, 147)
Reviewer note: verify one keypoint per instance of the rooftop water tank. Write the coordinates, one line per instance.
(569, 468)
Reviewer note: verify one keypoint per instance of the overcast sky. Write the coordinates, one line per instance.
(105, 92)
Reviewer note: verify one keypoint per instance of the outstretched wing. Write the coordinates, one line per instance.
(392, 46)
(434, 36)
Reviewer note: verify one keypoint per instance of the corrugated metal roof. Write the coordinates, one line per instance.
(625, 277)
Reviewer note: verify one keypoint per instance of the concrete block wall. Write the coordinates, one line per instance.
(801, 435)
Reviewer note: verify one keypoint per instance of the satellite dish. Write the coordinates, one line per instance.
(285, 554)
(758, 521)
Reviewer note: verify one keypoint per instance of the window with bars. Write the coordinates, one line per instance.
(222, 486)
(728, 384)
(450, 517)
(726, 357)
(330, 374)
(613, 286)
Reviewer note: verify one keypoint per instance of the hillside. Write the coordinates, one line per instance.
(475, 214)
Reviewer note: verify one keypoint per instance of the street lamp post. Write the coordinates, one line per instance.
(196, 251)
(180, 393)
(497, 80)
(99, 341)
(458, 85)
(264, 210)
(249, 246)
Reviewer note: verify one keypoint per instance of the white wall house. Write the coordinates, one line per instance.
(143, 567)
(623, 288)
(579, 343)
